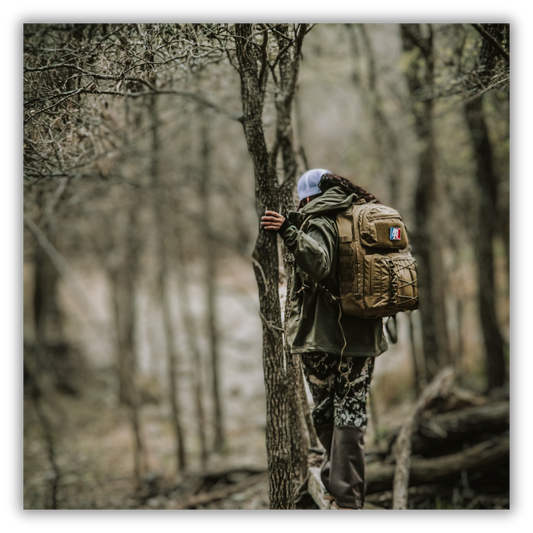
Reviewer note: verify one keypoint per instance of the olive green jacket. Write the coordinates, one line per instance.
(313, 324)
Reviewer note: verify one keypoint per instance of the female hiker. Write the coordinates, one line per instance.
(337, 350)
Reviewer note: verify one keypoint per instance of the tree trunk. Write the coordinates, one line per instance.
(288, 74)
(123, 308)
(483, 243)
(418, 379)
(123, 281)
(162, 291)
(194, 350)
(210, 283)
(266, 268)
(47, 316)
(425, 239)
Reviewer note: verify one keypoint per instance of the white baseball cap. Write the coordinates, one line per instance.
(308, 183)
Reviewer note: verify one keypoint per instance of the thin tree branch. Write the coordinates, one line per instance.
(488, 37)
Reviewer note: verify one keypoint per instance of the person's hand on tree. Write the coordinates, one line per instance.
(272, 220)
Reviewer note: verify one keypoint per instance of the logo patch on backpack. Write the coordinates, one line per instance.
(395, 234)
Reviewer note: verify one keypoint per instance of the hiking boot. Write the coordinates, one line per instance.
(337, 508)
(347, 467)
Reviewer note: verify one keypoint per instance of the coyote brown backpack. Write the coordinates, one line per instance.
(377, 274)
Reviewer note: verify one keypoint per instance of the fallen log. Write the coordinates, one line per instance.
(487, 454)
(439, 432)
(460, 398)
(447, 429)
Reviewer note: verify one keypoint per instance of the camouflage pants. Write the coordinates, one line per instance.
(339, 394)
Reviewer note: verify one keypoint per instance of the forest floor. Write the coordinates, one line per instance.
(93, 454)
(93, 443)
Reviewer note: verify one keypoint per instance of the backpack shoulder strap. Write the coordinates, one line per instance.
(346, 220)
(345, 225)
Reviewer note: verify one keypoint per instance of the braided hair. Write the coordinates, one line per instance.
(332, 180)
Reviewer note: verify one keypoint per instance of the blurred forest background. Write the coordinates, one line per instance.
(144, 379)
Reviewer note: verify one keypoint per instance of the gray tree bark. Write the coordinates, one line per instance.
(426, 246)
(286, 84)
(161, 276)
(252, 54)
(124, 276)
(210, 283)
(483, 243)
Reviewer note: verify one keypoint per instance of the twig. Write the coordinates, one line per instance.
(260, 268)
(275, 330)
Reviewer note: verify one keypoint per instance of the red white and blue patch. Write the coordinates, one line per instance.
(395, 234)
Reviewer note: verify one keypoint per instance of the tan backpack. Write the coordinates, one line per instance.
(377, 273)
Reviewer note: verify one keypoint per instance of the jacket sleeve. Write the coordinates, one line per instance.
(314, 250)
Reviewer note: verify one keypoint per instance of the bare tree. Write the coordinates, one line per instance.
(495, 39)
(426, 245)
(210, 250)
(289, 63)
(77, 134)
(254, 45)
(162, 277)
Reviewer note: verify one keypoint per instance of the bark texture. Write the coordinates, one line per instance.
(161, 276)
(289, 63)
(483, 243)
(265, 259)
(426, 246)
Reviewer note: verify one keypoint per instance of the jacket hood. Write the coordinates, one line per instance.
(332, 200)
